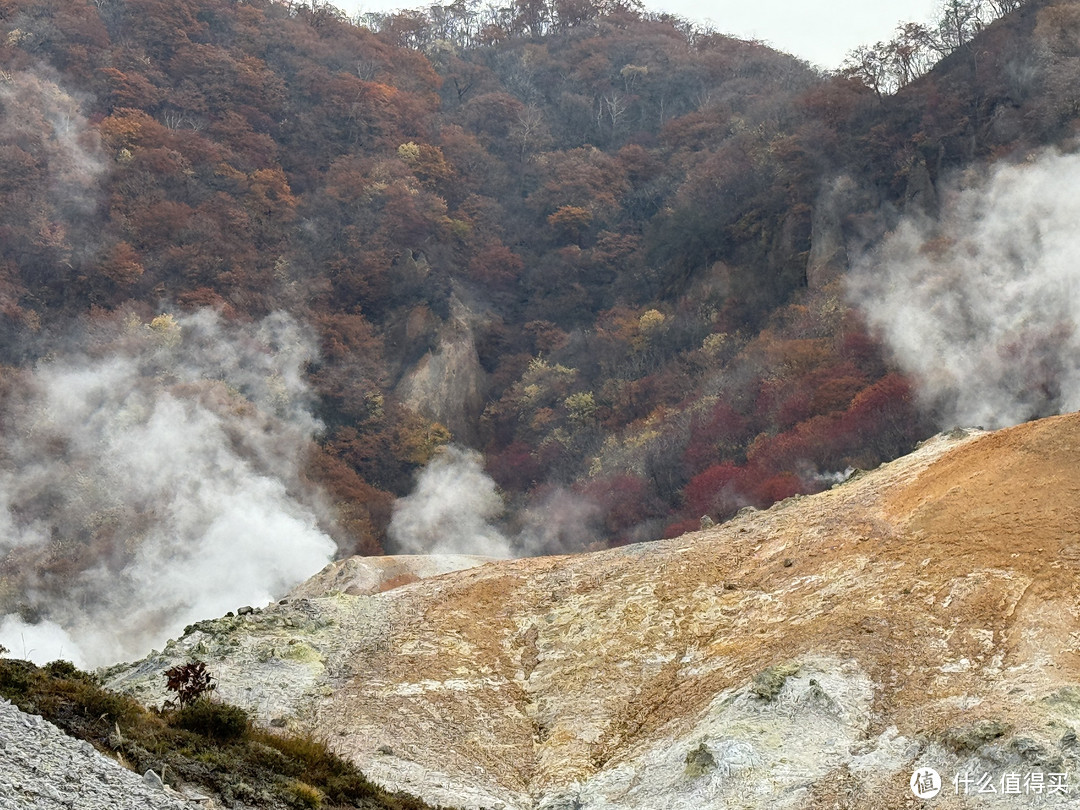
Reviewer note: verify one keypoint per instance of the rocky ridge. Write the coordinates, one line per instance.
(44, 769)
(813, 655)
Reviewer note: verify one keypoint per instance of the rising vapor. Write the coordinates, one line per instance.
(980, 306)
(152, 479)
(456, 508)
(451, 510)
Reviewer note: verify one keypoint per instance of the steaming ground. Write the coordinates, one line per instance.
(151, 479)
(451, 510)
(981, 306)
(456, 508)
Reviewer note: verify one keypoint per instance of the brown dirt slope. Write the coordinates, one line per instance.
(925, 613)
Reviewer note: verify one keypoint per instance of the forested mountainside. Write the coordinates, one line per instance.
(601, 247)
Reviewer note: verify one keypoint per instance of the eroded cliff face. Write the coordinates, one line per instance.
(846, 216)
(447, 384)
(809, 656)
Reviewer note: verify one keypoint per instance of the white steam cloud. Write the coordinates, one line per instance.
(42, 642)
(559, 522)
(450, 510)
(151, 480)
(456, 508)
(981, 305)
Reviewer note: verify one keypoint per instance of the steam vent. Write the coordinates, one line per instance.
(922, 615)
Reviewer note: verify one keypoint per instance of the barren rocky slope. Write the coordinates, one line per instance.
(810, 656)
(44, 769)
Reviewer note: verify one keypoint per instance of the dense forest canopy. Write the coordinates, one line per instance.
(601, 246)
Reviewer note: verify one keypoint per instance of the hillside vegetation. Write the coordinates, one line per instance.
(207, 745)
(601, 246)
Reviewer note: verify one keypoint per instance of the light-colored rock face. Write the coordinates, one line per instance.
(926, 614)
(41, 768)
(447, 384)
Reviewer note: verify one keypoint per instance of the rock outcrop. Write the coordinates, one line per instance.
(839, 225)
(922, 615)
(44, 769)
(358, 576)
(448, 383)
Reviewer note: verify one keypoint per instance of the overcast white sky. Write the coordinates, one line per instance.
(820, 31)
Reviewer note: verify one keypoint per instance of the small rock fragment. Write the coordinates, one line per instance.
(152, 780)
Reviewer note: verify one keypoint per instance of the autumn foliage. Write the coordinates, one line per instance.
(623, 204)
(189, 682)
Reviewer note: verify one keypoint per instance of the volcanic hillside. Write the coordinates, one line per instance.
(811, 655)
